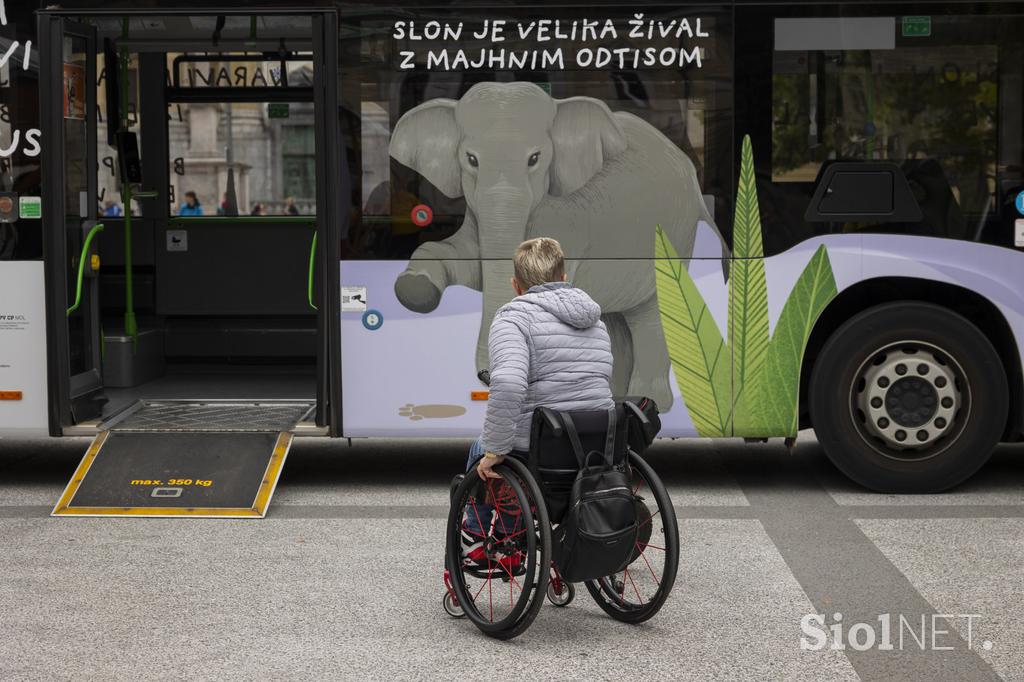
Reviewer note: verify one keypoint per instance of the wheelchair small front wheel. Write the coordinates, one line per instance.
(452, 607)
(563, 598)
(498, 549)
(637, 592)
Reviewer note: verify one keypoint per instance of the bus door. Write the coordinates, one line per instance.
(68, 114)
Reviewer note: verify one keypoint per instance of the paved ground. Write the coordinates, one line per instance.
(343, 579)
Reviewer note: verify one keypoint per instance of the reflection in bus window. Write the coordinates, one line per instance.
(242, 158)
(912, 103)
(942, 106)
(109, 203)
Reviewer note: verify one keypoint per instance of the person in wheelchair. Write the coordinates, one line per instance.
(548, 348)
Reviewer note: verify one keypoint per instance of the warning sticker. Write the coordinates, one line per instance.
(1018, 232)
(353, 299)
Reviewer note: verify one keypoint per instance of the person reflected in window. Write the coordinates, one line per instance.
(191, 206)
(112, 209)
(223, 208)
(289, 206)
(257, 209)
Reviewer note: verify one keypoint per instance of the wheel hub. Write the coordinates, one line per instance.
(910, 398)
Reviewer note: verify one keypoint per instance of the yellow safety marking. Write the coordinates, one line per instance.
(273, 472)
(79, 475)
(222, 512)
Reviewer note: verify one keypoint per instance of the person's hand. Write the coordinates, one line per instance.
(484, 467)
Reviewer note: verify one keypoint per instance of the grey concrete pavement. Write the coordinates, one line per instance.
(343, 579)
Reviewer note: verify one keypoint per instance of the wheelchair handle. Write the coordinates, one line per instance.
(637, 412)
(554, 422)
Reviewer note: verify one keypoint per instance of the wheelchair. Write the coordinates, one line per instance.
(498, 548)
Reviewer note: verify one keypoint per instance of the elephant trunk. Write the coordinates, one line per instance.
(503, 214)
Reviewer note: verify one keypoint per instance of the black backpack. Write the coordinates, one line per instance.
(598, 532)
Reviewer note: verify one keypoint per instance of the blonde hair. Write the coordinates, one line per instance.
(538, 261)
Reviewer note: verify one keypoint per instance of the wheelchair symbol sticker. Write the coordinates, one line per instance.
(372, 320)
(1019, 202)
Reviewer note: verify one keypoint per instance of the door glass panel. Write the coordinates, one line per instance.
(78, 201)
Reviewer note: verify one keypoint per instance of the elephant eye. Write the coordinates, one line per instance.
(534, 158)
(472, 160)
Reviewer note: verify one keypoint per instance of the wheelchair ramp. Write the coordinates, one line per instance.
(218, 459)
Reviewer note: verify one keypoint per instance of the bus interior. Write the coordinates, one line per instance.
(191, 266)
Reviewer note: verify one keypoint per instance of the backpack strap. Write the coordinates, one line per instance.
(609, 443)
(574, 438)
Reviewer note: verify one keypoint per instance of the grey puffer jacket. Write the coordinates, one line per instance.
(548, 348)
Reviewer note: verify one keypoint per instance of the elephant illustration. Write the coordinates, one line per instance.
(529, 166)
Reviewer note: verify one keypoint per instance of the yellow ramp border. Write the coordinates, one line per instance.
(258, 510)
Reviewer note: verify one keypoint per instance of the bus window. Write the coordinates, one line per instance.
(937, 95)
(387, 67)
(241, 157)
(20, 139)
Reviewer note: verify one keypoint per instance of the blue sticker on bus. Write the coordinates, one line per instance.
(372, 320)
(1019, 202)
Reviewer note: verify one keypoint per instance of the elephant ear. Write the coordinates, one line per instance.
(585, 135)
(426, 139)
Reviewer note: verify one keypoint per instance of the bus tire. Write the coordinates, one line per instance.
(908, 397)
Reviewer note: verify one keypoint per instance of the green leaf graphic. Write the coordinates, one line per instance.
(748, 297)
(775, 411)
(700, 358)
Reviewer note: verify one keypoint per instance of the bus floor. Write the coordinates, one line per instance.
(218, 382)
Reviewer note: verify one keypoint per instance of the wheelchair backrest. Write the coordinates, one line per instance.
(552, 459)
(551, 449)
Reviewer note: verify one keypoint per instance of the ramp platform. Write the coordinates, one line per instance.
(219, 459)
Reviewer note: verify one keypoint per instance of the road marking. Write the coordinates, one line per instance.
(838, 567)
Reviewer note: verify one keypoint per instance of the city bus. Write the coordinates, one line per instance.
(226, 225)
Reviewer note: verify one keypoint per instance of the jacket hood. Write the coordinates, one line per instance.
(570, 305)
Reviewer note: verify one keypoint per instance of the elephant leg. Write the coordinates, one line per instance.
(651, 365)
(622, 352)
(434, 266)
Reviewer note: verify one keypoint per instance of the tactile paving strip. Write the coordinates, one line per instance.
(251, 417)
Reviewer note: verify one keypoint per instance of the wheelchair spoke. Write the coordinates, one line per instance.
(631, 582)
(479, 522)
(650, 568)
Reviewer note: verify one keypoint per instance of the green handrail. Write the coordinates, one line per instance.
(98, 227)
(312, 264)
(130, 325)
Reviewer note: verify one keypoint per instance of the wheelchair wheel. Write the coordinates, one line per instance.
(450, 607)
(563, 598)
(498, 549)
(636, 593)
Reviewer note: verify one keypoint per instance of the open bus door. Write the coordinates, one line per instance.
(68, 115)
(184, 455)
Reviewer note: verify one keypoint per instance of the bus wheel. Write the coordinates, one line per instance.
(908, 398)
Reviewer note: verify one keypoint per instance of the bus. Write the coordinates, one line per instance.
(226, 225)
